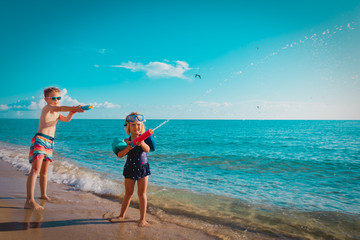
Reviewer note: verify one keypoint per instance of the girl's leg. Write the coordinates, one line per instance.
(43, 180)
(129, 191)
(142, 187)
(30, 185)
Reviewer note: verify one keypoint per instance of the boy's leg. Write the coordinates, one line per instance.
(30, 184)
(142, 187)
(43, 180)
(129, 191)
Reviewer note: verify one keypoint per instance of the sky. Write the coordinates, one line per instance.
(256, 59)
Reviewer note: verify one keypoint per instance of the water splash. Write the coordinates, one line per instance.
(165, 122)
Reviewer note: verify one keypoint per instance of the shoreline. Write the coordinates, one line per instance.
(73, 214)
(180, 214)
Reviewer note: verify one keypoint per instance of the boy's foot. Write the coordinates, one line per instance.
(117, 219)
(45, 197)
(32, 205)
(143, 223)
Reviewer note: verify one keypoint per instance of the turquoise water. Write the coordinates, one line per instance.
(302, 166)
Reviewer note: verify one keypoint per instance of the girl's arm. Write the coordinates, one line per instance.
(144, 146)
(67, 118)
(123, 152)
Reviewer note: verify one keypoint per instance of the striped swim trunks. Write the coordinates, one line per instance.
(41, 146)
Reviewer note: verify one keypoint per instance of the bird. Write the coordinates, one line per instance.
(197, 75)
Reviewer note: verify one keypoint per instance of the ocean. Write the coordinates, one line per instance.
(292, 179)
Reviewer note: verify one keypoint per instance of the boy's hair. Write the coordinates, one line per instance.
(50, 90)
(127, 124)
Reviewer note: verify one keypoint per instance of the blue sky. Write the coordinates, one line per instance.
(257, 59)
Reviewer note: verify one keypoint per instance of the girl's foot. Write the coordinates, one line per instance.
(143, 223)
(45, 197)
(31, 204)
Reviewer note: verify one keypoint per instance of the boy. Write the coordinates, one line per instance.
(42, 144)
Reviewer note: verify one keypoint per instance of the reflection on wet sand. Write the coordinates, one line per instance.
(39, 216)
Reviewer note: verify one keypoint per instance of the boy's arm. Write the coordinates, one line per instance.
(66, 109)
(67, 118)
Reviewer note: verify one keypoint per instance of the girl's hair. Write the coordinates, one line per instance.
(50, 90)
(127, 124)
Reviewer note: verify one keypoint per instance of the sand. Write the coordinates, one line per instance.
(74, 215)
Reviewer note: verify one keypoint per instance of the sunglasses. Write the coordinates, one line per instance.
(133, 118)
(54, 98)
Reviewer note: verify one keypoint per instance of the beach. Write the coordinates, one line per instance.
(73, 214)
(267, 180)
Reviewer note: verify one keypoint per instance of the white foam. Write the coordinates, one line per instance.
(62, 172)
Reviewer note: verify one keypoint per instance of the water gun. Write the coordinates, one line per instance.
(86, 107)
(142, 137)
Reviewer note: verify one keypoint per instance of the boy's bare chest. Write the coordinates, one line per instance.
(51, 116)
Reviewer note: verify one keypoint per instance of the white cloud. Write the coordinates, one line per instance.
(158, 69)
(67, 100)
(37, 105)
(4, 107)
(105, 105)
(213, 104)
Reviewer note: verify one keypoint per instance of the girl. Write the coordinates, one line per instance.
(136, 167)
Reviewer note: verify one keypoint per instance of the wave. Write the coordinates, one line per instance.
(63, 172)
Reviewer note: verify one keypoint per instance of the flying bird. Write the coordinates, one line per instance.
(197, 75)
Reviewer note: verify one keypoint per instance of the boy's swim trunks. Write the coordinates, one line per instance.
(41, 146)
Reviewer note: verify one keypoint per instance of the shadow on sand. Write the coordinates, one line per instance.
(39, 223)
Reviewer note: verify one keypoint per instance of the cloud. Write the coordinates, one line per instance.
(158, 69)
(105, 105)
(213, 104)
(4, 107)
(67, 100)
(37, 103)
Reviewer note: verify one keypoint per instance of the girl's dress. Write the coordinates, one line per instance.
(137, 166)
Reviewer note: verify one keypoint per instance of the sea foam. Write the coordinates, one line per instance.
(62, 171)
